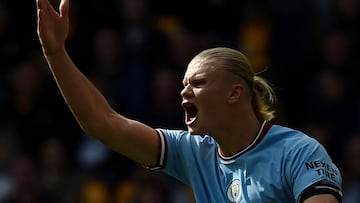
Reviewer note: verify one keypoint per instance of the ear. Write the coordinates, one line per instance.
(235, 93)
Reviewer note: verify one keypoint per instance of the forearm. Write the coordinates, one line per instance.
(85, 102)
(97, 118)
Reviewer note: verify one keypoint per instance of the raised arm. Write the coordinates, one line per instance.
(93, 113)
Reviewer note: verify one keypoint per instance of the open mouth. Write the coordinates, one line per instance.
(190, 113)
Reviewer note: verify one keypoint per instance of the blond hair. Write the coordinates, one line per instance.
(263, 95)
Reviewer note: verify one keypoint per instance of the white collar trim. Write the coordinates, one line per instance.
(228, 158)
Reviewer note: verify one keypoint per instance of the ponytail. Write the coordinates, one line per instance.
(263, 98)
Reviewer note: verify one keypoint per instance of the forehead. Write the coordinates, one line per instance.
(197, 67)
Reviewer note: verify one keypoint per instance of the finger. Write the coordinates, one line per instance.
(40, 4)
(45, 6)
(64, 8)
(48, 5)
(41, 10)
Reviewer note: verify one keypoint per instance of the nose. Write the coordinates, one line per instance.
(186, 92)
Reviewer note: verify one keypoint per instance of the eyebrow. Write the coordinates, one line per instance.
(184, 81)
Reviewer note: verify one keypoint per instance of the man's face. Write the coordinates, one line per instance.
(204, 97)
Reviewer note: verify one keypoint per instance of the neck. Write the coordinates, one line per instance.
(238, 135)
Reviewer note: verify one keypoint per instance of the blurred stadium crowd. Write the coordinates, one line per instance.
(135, 52)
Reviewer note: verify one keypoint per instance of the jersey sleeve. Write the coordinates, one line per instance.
(309, 167)
(176, 153)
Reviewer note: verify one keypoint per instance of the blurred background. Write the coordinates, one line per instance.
(135, 52)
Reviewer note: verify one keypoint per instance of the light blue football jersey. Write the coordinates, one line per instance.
(277, 166)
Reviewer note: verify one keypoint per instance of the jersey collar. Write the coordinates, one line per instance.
(264, 128)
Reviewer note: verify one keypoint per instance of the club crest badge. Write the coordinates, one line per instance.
(234, 191)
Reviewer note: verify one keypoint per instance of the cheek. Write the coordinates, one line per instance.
(212, 101)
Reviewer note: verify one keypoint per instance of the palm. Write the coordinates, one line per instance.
(52, 26)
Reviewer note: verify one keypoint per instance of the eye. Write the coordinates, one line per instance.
(198, 82)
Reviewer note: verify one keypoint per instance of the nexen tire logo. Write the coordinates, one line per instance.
(322, 169)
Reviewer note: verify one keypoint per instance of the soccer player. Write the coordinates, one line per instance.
(230, 152)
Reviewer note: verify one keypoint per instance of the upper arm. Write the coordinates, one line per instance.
(311, 172)
(321, 193)
(321, 198)
(131, 138)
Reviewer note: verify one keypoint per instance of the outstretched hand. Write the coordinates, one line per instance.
(52, 26)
